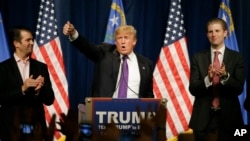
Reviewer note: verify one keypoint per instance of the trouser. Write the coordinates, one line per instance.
(213, 131)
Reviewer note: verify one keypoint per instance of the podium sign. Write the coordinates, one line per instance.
(123, 112)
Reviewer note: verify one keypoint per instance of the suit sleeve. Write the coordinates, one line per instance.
(235, 67)
(197, 84)
(46, 93)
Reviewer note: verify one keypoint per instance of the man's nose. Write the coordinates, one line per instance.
(123, 40)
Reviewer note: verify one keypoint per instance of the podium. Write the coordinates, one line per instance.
(123, 112)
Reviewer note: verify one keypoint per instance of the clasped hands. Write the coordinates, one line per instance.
(35, 83)
(221, 72)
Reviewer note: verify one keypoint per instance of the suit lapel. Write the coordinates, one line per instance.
(209, 57)
(142, 69)
(226, 57)
(204, 61)
(228, 60)
(32, 68)
(16, 71)
(115, 66)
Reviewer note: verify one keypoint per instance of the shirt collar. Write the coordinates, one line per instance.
(130, 56)
(19, 59)
(221, 50)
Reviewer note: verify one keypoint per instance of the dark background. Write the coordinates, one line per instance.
(149, 17)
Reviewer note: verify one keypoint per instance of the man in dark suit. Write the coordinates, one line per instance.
(25, 88)
(107, 58)
(216, 110)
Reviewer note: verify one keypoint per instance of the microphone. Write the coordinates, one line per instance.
(122, 78)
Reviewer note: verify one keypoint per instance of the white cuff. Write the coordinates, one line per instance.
(74, 36)
(207, 82)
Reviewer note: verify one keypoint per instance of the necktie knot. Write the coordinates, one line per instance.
(216, 53)
(216, 62)
(125, 57)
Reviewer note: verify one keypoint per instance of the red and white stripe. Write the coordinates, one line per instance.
(51, 54)
(171, 81)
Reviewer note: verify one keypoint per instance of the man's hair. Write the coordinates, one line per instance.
(14, 34)
(127, 29)
(217, 20)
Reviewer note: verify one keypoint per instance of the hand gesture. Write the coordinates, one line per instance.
(29, 82)
(40, 82)
(69, 29)
(69, 125)
(211, 72)
(222, 71)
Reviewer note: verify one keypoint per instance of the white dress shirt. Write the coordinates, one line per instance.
(23, 66)
(220, 56)
(133, 77)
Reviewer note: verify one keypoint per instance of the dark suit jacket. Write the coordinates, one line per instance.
(228, 93)
(247, 100)
(12, 100)
(107, 66)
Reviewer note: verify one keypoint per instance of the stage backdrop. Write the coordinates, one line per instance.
(149, 18)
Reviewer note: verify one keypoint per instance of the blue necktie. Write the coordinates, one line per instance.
(123, 86)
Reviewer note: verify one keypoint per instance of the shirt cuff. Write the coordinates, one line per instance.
(207, 82)
(74, 36)
(224, 79)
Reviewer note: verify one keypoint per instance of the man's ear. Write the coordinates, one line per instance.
(16, 43)
(134, 42)
(226, 33)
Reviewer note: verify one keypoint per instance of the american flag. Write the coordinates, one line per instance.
(171, 74)
(47, 49)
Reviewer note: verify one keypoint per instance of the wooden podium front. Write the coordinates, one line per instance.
(124, 112)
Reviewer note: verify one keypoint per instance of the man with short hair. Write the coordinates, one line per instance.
(25, 88)
(216, 80)
(109, 59)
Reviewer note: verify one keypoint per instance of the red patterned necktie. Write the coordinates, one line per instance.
(216, 80)
(123, 86)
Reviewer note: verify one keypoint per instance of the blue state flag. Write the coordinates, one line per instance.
(116, 19)
(4, 50)
(231, 42)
